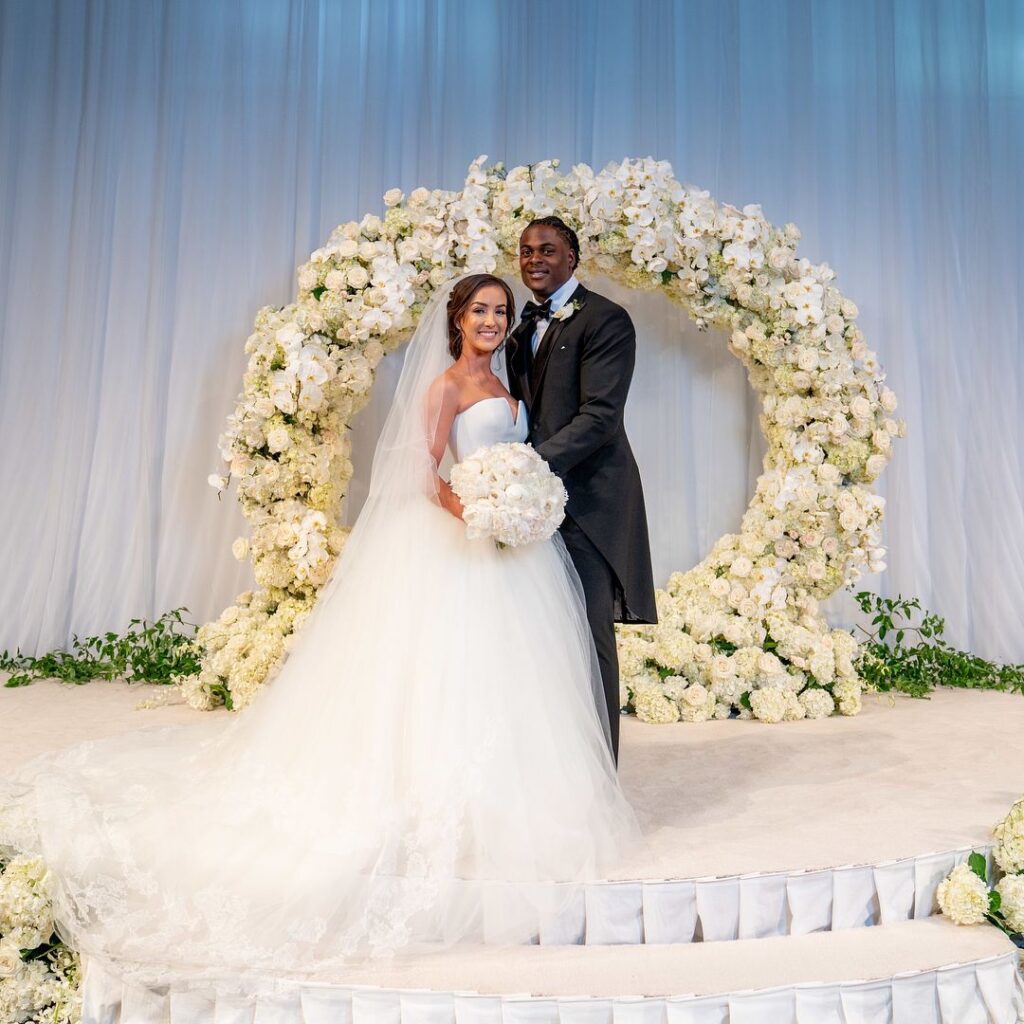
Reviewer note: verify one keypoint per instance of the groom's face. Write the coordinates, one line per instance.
(546, 261)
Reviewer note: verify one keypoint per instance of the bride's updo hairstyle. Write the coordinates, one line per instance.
(458, 302)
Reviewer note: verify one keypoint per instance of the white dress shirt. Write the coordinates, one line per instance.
(558, 300)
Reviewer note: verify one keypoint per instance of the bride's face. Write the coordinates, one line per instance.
(485, 323)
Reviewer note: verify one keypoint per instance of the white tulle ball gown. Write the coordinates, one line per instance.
(428, 762)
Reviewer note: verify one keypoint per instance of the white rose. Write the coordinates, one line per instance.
(695, 695)
(10, 962)
(828, 474)
(875, 465)
(393, 196)
(850, 520)
(808, 359)
(278, 439)
(740, 342)
(358, 277)
(240, 548)
(742, 566)
(838, 425)
(335, 281)
(817, 570)
(861, 407)
(720, 669)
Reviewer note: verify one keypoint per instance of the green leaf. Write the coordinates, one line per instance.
(42, 950)
(976, 862)
(745, 700)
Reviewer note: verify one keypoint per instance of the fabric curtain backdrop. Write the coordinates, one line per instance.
(164, 166)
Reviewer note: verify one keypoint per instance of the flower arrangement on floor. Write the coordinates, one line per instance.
(39, 975)
(749, 613)
(967, 895)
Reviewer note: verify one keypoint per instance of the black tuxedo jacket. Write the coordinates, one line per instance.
(575, 390)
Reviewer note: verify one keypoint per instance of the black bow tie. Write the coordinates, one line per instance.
(533, 311)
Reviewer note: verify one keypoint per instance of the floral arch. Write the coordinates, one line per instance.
(743, 629)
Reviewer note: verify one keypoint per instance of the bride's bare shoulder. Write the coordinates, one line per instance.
(444, 391)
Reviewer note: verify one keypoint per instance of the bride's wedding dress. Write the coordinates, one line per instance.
(430, 759)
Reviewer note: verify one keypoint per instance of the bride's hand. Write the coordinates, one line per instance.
(450, 501)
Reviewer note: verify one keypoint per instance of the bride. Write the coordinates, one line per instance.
(431, 758)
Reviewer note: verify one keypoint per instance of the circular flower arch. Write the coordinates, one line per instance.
(743, 629)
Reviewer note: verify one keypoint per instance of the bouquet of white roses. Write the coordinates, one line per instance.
(508, 492)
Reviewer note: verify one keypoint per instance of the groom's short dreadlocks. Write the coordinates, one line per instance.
(563, 229)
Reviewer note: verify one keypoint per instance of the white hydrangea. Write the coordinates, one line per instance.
(654, 707)
(1011, 893)
(963, 896)
(817, 703)
(1009, 836)
(775, 704)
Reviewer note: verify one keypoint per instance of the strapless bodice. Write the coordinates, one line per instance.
(489, 421)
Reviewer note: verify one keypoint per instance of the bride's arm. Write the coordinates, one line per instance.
(442, 405)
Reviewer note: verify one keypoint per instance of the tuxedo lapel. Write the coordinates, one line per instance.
(519, 363)
(547, 343)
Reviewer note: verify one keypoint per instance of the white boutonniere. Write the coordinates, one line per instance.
(566, 311)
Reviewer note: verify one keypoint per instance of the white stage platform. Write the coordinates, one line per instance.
(775, 845)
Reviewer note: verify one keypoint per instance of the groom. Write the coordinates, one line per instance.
(570, 359)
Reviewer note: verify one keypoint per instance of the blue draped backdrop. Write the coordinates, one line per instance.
(165, 165)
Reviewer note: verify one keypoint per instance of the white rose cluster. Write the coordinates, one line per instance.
(826, 412)
(509, 494)
(44, 989)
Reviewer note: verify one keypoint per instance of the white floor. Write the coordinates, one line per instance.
(903, 778)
